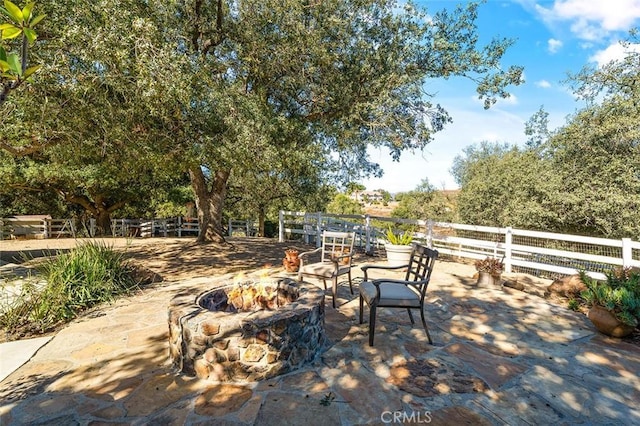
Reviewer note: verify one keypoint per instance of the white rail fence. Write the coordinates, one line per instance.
(46, 227)
(538, 253)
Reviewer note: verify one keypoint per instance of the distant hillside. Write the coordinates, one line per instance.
(380, 210)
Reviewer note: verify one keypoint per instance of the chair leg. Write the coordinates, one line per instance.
(361, 309)
(334, 289)
(411, 316)
(372, 323)
(424, 324)
(350, 285)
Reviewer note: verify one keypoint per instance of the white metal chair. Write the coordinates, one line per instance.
(408, 293)
(336, 258)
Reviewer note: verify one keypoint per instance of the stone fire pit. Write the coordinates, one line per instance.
(223, 335)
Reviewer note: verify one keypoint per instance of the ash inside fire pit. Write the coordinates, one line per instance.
(246, 332)
(249, 296)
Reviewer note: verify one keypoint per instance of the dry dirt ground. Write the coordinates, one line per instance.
(172, 258)
(178, 258)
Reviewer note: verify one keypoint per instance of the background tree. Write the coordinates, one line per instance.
(92, 140)
(537, 129)
(343, 204)
(355, 189)
(336, 92)
(425, 202)
(276, 179)
(597, 159)
(386, 196)
(503, 185)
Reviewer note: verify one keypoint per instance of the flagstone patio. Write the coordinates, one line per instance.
(500, 357)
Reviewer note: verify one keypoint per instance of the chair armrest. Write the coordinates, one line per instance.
(307, 253)
(377, 282)
(365, 268)
(343, 256)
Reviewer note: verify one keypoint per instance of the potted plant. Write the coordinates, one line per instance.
(615, 302)
(291, 261)
(489, 271)
(398, 247)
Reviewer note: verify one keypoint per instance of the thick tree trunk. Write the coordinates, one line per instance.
(210, 203)
(261, 218)
(103, 221)
(98, 209)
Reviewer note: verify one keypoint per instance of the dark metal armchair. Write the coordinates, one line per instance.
(408, 293)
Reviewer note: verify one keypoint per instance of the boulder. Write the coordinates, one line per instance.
(570, 286)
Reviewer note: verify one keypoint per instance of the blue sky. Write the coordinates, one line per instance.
(552, 38)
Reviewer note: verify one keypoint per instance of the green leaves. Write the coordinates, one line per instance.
(10, 31)
(11, 64)
(14, 12)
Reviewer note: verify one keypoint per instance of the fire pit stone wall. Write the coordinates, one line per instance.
(246, 346)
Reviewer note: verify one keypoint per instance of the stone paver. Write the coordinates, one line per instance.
(500, 357)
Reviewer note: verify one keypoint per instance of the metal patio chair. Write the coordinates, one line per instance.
(390, 293)
(335, 260)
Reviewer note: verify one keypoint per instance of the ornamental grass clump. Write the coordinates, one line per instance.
(72, 282)
(619, 294)
(400, 239)
(489, 264)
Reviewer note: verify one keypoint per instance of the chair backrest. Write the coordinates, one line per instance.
(336, 244)
(420, 266)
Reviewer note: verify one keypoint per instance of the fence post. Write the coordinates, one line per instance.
(318, 229)
(281, 226)
(429, 233)
(179, 226)
(627, 253)
(367, 233)
(508, 240)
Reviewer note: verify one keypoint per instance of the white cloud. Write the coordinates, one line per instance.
(614, 52)
(511, 100)
(544, 84)
(554, 45)
(592, 19)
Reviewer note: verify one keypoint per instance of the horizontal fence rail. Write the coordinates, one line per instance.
(539, 253)
(45, 227)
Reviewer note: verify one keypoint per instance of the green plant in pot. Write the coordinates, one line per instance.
(400, 238)
(398, 247)
(615, 302)
(489, 271)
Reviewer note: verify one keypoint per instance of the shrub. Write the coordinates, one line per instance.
(620, 294)
(89, 275)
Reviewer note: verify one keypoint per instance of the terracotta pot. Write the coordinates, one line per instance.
(486, 280)
(605, 322)
(291, 261)
(343, 261)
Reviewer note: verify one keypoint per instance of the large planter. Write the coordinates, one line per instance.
(605, 322)
(487, 280)
(398, 255)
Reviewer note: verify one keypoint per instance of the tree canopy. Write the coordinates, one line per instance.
(144, 91)
(582, 178)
